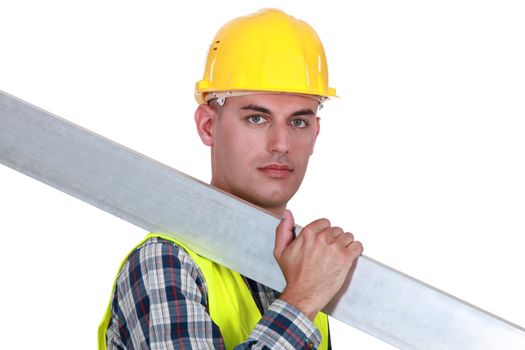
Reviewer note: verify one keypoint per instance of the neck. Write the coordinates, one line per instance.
(279, 212)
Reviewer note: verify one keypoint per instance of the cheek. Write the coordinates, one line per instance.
(305, 147)
(237, 147)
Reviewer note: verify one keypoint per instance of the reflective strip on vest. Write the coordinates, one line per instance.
(230, 302)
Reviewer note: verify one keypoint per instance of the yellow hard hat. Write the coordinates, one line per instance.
(265, 51)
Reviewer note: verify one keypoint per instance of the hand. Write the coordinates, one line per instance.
(315, 264)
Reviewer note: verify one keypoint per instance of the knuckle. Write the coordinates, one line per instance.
(316, 227)
(307, 232)
(322, 237)
(337, 230)
(356, 247)
(322, 223)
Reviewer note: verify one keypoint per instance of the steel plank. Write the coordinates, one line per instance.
(378, 300)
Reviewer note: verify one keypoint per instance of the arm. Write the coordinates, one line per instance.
(283, 327)
(315, 264)
(160, 300)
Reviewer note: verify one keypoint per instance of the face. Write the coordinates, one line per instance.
(260, 145)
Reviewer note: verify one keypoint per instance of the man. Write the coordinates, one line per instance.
(265, 79)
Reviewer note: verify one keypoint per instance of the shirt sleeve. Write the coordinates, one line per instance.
(283, 327)
(160, 302)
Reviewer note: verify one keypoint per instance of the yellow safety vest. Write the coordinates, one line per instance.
(230, 302)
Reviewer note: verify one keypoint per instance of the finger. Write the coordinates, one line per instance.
(356, 249)
(284, 234)
(315, 227)
(330, 234)
(335, 232)
(345, 239)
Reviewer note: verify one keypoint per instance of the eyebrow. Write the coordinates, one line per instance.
(252, 107)
(256, 108)
(305, 112)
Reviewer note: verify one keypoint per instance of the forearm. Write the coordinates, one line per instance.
(285, 327)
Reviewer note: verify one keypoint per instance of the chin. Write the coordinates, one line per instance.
(273, 199)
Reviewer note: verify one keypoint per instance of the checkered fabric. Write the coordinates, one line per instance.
(160, 302)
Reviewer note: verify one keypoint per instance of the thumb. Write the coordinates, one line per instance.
(284, 234)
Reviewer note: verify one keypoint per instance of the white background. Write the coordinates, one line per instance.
(422, 157)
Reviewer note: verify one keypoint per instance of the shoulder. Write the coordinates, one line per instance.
(157, 252)
(158, 262)
(156, 277)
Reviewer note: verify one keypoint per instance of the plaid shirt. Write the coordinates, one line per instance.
(160, 302)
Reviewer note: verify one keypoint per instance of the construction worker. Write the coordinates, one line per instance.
(265, 80)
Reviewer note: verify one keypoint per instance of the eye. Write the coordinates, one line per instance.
(256, 119)
(299, 123)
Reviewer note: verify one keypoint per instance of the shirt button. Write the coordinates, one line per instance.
(309, 344)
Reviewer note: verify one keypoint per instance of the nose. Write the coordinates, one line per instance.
(279, 138)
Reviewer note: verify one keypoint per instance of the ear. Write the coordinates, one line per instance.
(204, 118)
(318, 129)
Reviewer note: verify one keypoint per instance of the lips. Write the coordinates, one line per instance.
(276, 170)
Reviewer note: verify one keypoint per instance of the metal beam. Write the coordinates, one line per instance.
(378, 299)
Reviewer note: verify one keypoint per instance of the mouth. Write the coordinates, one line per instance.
(276, 170)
